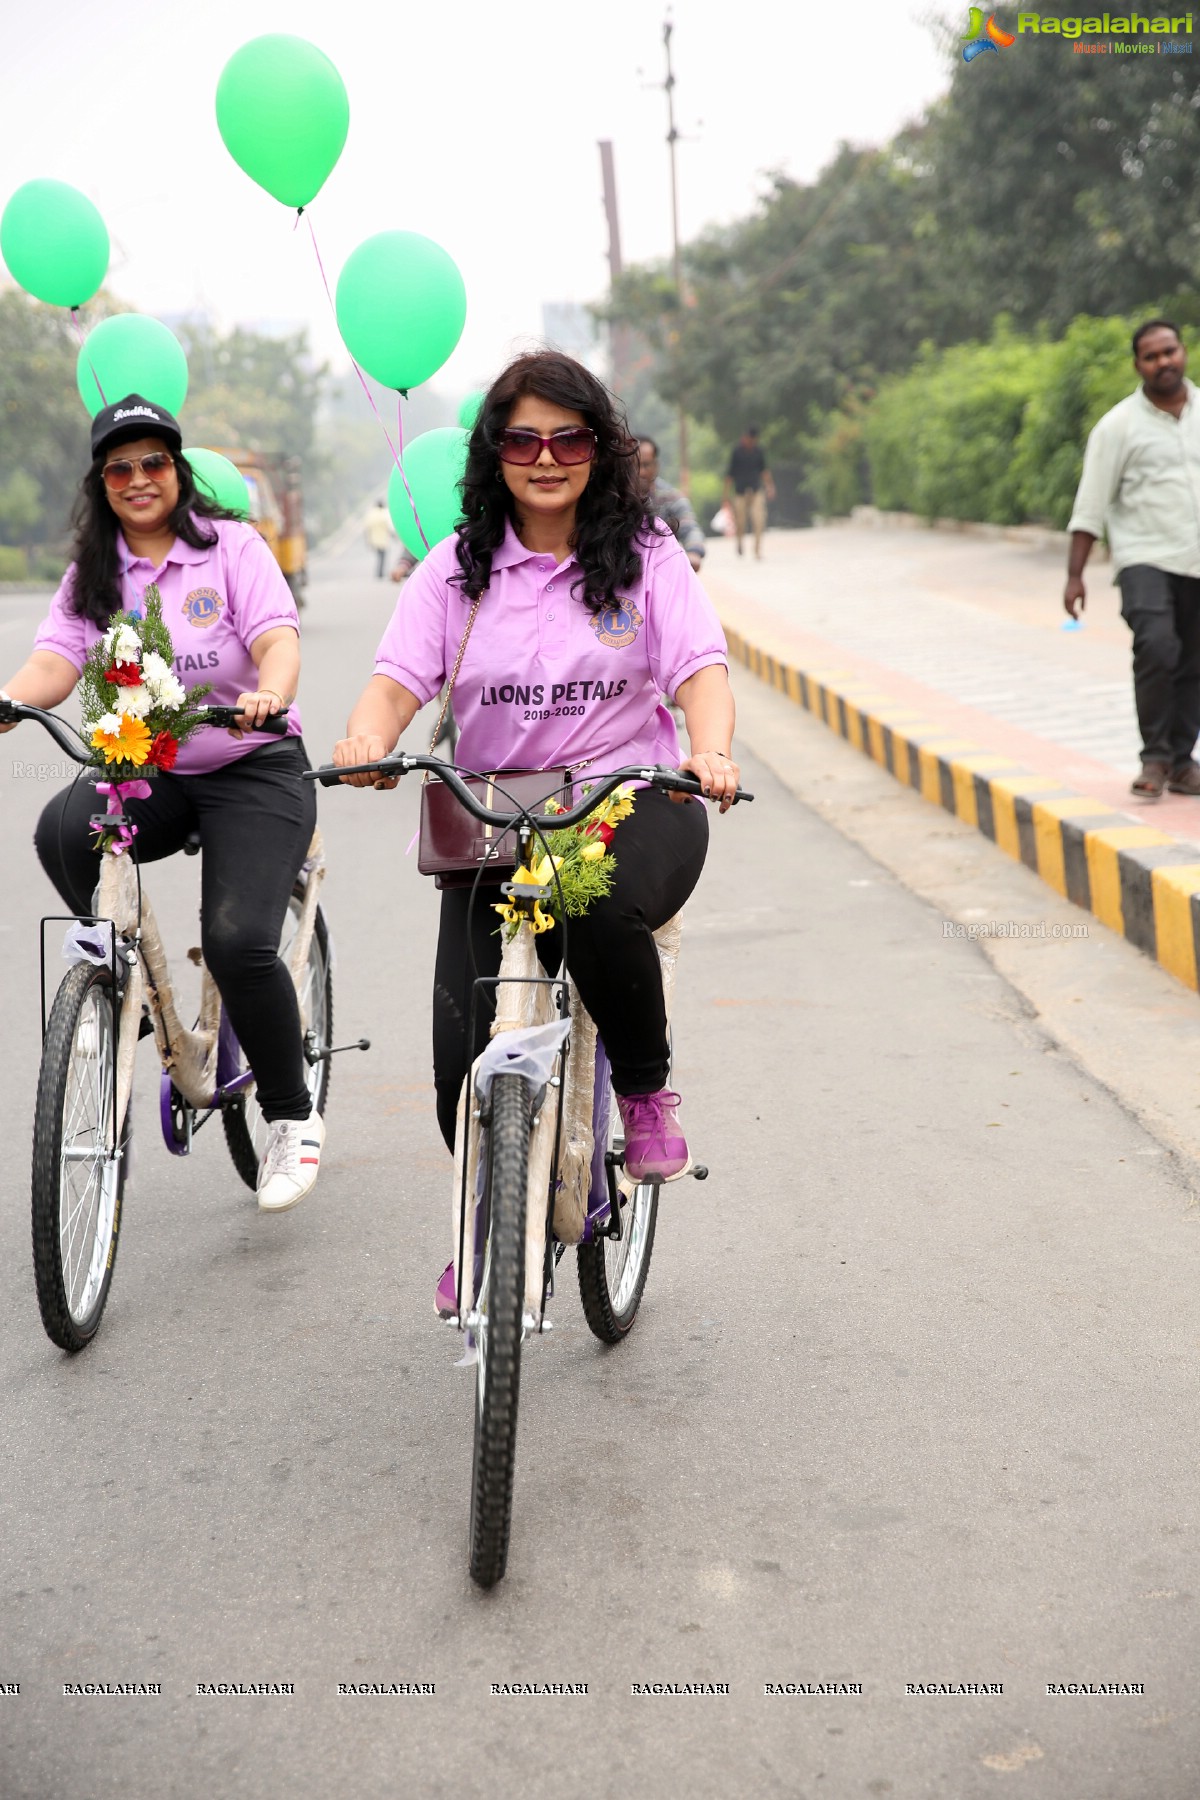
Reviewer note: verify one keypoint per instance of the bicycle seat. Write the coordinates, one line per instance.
(191, 844)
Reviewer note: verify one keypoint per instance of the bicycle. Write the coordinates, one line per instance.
(82, 1133)
(541, 1177)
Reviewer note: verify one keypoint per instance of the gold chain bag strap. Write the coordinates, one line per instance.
(452, 845)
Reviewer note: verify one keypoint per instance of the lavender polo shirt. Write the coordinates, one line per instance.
(546, 683)
(215, 603)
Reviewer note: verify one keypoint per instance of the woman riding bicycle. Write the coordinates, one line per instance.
(590, 614)
(140, 520)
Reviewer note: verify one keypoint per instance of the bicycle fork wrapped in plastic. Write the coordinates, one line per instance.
(530, 1040)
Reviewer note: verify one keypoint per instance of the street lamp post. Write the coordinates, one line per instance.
(676, 261)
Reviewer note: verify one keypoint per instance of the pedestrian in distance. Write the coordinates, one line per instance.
(1141, 487)
(588, 613)
(668, 504)
(379, 535)
(748, 486)
(404, 565)
(140, 520)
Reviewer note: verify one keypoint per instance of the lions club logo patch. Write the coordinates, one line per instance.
(617, 626)
(202, 607)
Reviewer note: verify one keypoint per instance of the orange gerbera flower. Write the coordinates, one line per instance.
(130, 744)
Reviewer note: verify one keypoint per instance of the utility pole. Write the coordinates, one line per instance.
(619, 333)
(676, 262)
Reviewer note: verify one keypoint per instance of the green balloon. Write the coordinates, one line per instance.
(283, 112)
(54, 242)
(401, 306)
(468, 412)
(221, 480)
(131, 354)
(434, 464)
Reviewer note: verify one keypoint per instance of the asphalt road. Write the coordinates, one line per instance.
(911, 1402)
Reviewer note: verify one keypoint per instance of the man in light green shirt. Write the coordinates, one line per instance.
(1141, 486)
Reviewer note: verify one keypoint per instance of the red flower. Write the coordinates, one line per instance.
(163, 750)
(605, 834)
(124, 675)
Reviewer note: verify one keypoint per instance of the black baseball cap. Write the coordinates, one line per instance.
(133, 417)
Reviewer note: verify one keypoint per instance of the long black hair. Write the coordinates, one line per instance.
(97, 590)
(610, 517)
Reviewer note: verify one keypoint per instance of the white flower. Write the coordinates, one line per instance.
(109, 723)
(168, 693)
(160, 678)
(136, 701)
(126, 646)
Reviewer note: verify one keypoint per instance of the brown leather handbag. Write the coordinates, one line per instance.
(452, 846)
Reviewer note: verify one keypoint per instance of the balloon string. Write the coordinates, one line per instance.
(366, 390)
(83, 346)
(400, 399)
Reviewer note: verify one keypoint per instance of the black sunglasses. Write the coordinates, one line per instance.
(574, 445)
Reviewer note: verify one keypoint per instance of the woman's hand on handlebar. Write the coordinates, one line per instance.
(717, 774)
(366, 747)
(256, 707)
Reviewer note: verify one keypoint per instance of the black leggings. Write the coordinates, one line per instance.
(255, 818)
(659, 850)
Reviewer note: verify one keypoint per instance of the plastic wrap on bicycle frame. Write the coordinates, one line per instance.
(530, 1052)
(88, 943)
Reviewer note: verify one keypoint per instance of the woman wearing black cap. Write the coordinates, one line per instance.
(140, 520)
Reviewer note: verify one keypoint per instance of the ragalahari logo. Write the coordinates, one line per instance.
(984, 37)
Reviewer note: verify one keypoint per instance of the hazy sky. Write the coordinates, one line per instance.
(474, 123)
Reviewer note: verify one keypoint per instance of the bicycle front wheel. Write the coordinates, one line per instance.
(612, 1271)
(78, 1183)
(497, 1317)
(245, 1127)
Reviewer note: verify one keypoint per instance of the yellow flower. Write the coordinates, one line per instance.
(618, 806)
(130, 744)
(592, 852)
(541, 874)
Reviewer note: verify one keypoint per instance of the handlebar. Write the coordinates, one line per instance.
(399, 762)
(79, 750)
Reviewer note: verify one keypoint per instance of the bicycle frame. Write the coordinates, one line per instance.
(202, 1062)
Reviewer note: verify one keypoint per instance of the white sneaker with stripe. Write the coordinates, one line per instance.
(289, 1167)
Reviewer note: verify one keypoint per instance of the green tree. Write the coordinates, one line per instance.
(20, 507)
(1043, 185)
(44, 437)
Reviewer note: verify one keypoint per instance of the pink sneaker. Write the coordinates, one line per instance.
(654, 1142)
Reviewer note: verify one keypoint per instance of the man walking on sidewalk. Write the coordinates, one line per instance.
(752, 486)
(668, 504)
(1141, 484)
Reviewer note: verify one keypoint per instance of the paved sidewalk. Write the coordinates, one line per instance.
(942, 655)
(968, 630)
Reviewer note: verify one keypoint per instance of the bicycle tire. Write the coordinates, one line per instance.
(76, 1228)
(245, 1131)
(612, 1272)
(500, 1307)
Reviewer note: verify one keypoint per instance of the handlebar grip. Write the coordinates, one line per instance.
(275, 724)
(327, 775)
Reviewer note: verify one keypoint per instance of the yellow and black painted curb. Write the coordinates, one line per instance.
(1139, 882)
